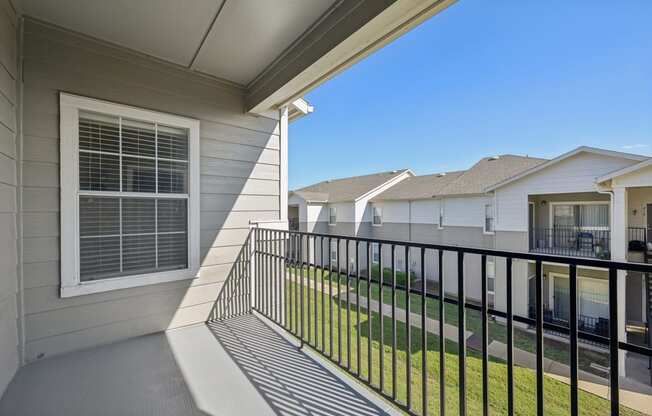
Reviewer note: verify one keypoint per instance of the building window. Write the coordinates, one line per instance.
(488, 218)
(130, 204)
(334, 247)
(377, 213)
(375, 253)
(591, 216)
(332, 216)
(491, 274)
(440, 222)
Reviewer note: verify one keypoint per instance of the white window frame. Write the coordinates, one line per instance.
(71, 284)
(332, 212)
(375, 208)
(580, 282)
(486, 217)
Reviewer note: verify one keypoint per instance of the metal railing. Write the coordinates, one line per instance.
(642, 234)
(571, 241)
(301, 291)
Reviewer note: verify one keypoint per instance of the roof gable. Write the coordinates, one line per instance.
(565, 156)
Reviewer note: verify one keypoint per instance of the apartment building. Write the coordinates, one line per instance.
(588, 202)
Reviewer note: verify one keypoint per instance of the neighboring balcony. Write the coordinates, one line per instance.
(572, 241)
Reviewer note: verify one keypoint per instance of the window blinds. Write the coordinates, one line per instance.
(133, 197)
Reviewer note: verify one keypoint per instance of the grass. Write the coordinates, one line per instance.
(524, 340)
(556, 394)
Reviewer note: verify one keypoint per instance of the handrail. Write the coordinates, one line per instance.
(284, 287)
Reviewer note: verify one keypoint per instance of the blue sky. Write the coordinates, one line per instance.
(484, 78)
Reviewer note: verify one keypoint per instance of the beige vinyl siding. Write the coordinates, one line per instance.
(9, 358)
(239, 183)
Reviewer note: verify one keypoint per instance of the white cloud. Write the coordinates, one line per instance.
(635, 146)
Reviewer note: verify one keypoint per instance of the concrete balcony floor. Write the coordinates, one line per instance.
(239, 366)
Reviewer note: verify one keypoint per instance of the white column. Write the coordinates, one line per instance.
(619, 253)
(283, 164)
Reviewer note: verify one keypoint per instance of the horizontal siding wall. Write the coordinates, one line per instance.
(239, 183)
(8, 181)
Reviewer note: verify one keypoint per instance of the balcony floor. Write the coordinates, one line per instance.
(235, 367)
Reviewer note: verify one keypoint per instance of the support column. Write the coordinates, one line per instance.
(283, 163)
(619, 253)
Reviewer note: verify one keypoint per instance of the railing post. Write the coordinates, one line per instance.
(252, 264)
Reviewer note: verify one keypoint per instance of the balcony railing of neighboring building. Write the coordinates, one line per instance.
(588, 324)
(313, 298)
(571, 241)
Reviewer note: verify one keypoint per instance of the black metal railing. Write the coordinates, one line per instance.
(235, 297)
(323, 304)
(589, 324)
(571, 241)
(642, 235)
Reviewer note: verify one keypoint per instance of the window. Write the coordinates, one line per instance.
(332, 216)
(129, 212)
(587, 216)
(377, 215)
(440, 223)
(375, 253)
(334, 262)
(488, 218)
(491, 274)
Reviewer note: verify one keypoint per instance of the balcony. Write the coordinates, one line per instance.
(295, 333)
(571, 241)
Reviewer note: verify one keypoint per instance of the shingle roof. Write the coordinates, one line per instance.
(346, 189)
(489, 171)
(418, 187)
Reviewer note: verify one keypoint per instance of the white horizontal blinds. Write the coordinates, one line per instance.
(140, 228)
(172, 220)
(172, 160)
(99, 147)
(99, 233)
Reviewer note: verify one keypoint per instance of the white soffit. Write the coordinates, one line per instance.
(249, 35)
(167, 29)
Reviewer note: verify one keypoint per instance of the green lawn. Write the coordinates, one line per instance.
(554, 350)
(556, 393)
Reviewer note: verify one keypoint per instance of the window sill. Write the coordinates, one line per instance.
(126, 282)
(488, 232)
(376, 225)
(331, 225)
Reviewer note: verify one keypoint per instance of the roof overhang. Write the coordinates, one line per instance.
(551, 162)
(625, 171)
(273, 52)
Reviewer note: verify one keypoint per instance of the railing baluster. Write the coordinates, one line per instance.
(370, 358)
(348, 308)
(323, 304)
(573, 338)
(408, 331)
(614, 383)
(393, 322)
(297, 245)
(300, 281)
(339, 302)
(442, 337)
(424, 337)
(510, 341)
(539, 334)
(461, 317)
(357, 309)
(381, 301)
(314, 276)
(330, 297)
(485, 340)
